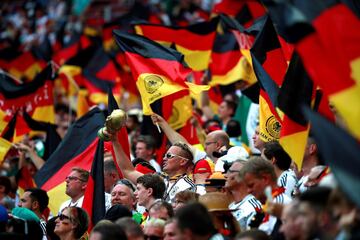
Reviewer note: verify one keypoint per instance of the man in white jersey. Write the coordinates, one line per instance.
(286, 177)
(258, 175)
(244, 205)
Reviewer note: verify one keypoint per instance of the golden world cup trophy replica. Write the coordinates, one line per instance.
(113, 123)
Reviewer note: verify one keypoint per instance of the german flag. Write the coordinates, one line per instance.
(318, 45)
(270, 67)
(76, 149)
(100, 74)
(194, 41)
(296, 90)
(335, 143)
(35, 97)
(71, 72)
(26, 66)
(77, 43)
(158, 71)
(244, 11)
(94, 196)
(226, 64)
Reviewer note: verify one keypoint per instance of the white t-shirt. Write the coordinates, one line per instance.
(182, 183)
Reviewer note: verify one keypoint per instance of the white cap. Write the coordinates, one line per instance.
(235, 153)
(232, 155)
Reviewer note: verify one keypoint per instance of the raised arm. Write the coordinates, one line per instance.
(123, 160)
(24, 148)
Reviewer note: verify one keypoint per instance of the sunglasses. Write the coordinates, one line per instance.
(152, 237)
(171, 155)
(62, 217)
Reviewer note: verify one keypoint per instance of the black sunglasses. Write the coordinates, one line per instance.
(62, 217)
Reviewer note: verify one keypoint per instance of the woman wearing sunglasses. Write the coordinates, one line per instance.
(71, 224)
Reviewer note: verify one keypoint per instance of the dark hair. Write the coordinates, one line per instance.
(148, 140)
(232, 105)
(117, 211)
(196, 218)
(5, 181)
(130, 227)
(155, 182)
(282, 158)
(50, 226)
(317, 197)
(109, 231)
(233, 128)
(185, 151)
(80, 218)
(39, 195)
(253, 234)
(258, 166)
(29, 229)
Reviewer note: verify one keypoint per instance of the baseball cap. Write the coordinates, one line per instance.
(202, 166)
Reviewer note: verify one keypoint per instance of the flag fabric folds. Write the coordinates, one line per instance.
(94, 197)
(35, 97)
(194, 41)
(76, 149)
(157, 70)
(318, 45)
(296, 90)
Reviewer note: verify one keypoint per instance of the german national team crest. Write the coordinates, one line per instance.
(152, 83)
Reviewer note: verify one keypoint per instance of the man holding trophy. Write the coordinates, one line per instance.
(177, 160)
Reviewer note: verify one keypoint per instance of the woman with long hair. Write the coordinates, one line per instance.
(71, 224)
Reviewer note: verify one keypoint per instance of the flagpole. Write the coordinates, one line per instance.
(11, 76)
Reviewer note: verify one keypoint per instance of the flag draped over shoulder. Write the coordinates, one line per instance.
(157, 70)
(94, 196)
(194, 41)
(331, 55)
(76, 149)
(340, 151)
(35, 97)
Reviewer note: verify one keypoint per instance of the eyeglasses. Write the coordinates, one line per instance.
(62, 217)
(73, 178)
(208, 143)
(171, 155)
(152, 237)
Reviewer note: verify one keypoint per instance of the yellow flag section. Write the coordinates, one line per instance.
(5, 146)
(269, 126)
